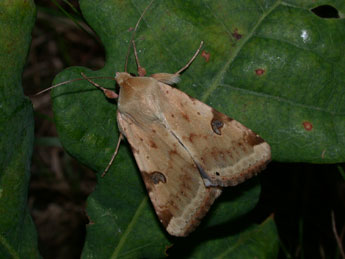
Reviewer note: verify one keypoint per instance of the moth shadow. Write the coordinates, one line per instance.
(215, 225)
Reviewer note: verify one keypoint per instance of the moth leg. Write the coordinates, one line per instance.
(114, 155)
(108, 93)
(191, 60)
(141, 70)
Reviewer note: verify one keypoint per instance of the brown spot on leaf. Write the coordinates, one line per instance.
(236, 35)
(259, 71)
(158, 177)
(307, 125)
(205, 55)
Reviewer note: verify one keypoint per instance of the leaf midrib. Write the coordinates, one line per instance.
(129, 228)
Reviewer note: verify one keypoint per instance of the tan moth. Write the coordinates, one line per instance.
(186, 151)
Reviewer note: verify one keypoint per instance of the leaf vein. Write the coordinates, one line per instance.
(280, 99)
(129, 228)
(218, 78)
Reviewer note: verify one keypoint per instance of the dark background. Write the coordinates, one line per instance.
(301, 197)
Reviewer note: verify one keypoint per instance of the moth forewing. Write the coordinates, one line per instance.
(226, 152)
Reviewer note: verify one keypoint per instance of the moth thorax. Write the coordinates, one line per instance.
(121, 77)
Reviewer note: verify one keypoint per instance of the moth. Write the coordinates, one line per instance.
(186, 150)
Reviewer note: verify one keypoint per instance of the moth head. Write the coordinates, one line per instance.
(121, 77)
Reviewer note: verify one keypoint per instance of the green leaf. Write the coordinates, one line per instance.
(255, 241)
(18, 237)
(274, 66)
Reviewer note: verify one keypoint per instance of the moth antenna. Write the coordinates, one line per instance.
(108, 93)
(71, 81)
(133, 34)
(141, 70)
(54, 86)
(191, 60)
(114, 155)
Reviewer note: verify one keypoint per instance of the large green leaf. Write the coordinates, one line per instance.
(17, 233)
(275, 66)
(253, 242)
